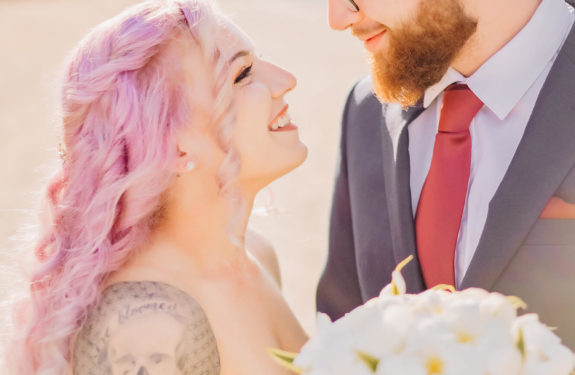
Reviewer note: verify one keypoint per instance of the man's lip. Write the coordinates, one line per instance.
(280, 114)
(367, 38)
(371, 42)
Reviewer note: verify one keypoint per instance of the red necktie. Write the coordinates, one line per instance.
(443, 195)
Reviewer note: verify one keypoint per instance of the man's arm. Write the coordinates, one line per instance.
(338, 290)
(145, 328)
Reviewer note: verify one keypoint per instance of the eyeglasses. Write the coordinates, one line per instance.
(352, 5)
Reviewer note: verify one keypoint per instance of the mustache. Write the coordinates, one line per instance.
(365, 32)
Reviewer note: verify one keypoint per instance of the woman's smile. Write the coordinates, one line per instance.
(282, 121)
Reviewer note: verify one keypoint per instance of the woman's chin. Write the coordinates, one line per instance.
(280, 169)
(299, 156)
(303, 155)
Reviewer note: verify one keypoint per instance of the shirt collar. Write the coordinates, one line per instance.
(507, 75)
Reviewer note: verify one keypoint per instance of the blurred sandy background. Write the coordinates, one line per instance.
(35, 36)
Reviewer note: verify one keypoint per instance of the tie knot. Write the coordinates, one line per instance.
(459, 107)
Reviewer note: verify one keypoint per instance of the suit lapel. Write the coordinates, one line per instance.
(544, 157)
(397, 183)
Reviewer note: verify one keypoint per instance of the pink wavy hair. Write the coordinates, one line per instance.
(120, 116)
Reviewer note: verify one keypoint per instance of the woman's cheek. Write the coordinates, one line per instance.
(254, 106)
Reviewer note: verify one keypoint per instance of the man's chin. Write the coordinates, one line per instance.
(415, 56)
(388, 87)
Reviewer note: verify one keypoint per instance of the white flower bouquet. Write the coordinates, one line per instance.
(437, 332)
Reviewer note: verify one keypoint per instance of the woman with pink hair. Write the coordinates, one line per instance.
(144, 265)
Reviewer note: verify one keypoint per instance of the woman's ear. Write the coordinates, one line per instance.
(186, 162)
(198, 149)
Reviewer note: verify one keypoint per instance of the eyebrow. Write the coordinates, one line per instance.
(239, 54)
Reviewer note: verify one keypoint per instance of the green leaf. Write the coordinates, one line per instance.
(521, 343)
(285, 359)
(369, 360)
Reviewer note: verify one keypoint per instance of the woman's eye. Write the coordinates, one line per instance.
(352, 5)
(244, 74)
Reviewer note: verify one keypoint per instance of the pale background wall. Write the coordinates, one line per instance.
(35, 35)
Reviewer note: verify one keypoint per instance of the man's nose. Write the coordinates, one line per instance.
(341, 16)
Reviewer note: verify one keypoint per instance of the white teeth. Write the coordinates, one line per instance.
(281, 122)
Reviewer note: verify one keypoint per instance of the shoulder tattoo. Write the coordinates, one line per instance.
(145, 328)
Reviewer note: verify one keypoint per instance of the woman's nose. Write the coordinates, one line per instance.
(281, 81)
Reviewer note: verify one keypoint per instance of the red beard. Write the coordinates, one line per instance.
(417, 55)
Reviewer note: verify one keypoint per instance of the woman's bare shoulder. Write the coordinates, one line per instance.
(146, 327)
(263, 250)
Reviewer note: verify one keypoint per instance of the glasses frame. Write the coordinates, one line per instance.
(352, 6)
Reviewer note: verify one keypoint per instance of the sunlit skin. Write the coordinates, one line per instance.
(498, 22)
(238, 287)
(260, 98)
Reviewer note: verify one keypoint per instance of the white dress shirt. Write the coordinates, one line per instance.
(508, 84)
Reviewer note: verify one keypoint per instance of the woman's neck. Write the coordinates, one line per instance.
(204, 227)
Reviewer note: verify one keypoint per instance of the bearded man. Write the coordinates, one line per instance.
(458, 150)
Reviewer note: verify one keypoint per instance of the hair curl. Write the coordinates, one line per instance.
(120, 114)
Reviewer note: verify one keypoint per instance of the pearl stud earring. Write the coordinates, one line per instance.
(190, 166)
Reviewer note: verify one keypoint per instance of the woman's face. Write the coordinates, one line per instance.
(265, 137)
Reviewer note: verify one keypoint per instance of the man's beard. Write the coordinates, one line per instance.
(418, 54)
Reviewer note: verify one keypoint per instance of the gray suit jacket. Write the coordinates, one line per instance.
(372, 227)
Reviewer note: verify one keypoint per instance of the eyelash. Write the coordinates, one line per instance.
(244, 74)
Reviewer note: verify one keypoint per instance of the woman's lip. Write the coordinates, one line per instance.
(286, 128)
(372, 43)
(280, 114)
